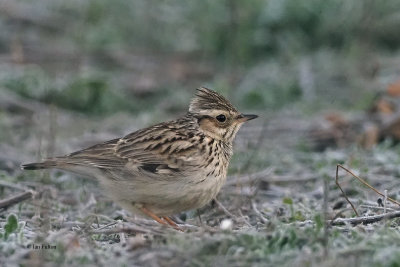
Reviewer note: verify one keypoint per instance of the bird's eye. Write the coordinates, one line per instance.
(221, 118)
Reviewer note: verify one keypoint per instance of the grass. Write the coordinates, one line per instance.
(293, 233)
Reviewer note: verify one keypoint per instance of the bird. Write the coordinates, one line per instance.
(167, 168)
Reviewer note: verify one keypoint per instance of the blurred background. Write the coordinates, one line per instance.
(324, 76)
(99, 58)
(142, 60)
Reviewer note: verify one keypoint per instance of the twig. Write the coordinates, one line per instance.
(244, 218)
(107, 225)
(131, 229)
(232, 216)
(366, 219)
(385, 201)
(260, 215)
(363, 182)
(8, 202)
(117, 230)
(227, 212)
(344, 194)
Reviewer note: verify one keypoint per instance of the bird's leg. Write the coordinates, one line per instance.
(152, 215)
(172, 223)
(166, 221)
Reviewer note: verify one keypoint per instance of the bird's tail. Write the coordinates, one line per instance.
(39, 165)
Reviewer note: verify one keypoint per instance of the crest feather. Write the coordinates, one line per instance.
(207, 99)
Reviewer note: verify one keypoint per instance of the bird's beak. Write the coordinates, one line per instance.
(246, 117)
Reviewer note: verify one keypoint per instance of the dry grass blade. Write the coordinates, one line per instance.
(128, 230)
(366, 219)
(344, 194)
(258, 212)
(8, 202)
(363, 182)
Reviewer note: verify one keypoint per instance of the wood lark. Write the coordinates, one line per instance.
(166, 168)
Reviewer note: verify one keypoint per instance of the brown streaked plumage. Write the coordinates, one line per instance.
(166, 168)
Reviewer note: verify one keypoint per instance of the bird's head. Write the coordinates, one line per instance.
(216, 116)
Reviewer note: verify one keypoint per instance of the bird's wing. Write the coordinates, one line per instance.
(98, 156)
(155, 150)
(159, 150)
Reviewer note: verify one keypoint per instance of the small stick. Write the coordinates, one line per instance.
(8, 202)
(369, 186)
(244, 218)
(337, 183)
(117, 230)
(363, 182)
(385, 201)
(260, 215)
(227, 212)
(105, 226)
(366, 219)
